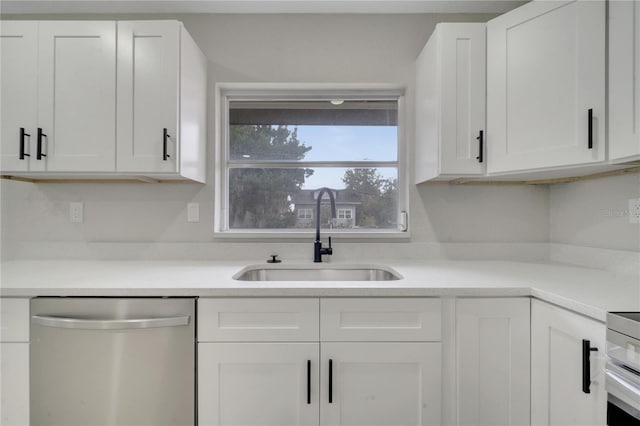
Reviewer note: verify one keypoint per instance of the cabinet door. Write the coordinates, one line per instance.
(383, 384)
(624, 80)
(493, 361)
(556, 368)
(545, 71)
(463, 50)
(450, 92)
(19, 88)
(14, 384)
(77, 94)
(148, 70)
(268, 384)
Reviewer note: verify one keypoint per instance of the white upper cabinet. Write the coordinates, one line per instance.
(624, 80)
(450, 103)
(77, 96)
(58, 96)
(161, 100)
(74, 94)
(19, 94)
(546, 86)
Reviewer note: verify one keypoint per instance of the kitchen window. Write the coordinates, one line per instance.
(278, 148)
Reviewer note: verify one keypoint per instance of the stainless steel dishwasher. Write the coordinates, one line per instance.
(115, 362)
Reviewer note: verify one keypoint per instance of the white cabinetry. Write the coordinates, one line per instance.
(258, 362)
(450, 103)
(59, 105)
(14, 362)
(546, 86)
(624, 80)
(262, 362)
(492, 341)
(380, 384)
(71, 122)
(77, 95)
(258, 384)
(19, 78)
(366, 379)
(161, 100)
(557, 396)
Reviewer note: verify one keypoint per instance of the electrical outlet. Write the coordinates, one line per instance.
(193, 212)
(76, 212)
(634, 210)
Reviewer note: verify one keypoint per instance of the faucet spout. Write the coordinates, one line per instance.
(318, 251)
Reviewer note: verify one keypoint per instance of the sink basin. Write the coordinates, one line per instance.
(316, 273)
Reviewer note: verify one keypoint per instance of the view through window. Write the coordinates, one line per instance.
(281, 152)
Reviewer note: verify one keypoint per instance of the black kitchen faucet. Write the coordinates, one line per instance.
(318, 251)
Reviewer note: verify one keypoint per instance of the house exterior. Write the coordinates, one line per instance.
(305, 208)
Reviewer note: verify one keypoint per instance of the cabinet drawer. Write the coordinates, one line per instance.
(257, 320)
(380, 320)
(14, 320)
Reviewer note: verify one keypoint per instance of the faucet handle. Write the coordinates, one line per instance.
(329, 242)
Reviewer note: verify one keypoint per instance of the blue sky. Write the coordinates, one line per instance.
(347, 143)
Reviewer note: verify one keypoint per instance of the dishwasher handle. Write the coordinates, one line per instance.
(109, 324)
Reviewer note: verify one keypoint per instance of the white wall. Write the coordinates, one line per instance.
(594, 213)
(272, 48)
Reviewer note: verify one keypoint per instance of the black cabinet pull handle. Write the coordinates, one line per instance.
(308, 381)
(480, 140)
(40, 136)
(590, 128)
(586, 365)
(165, 138)
(330, 381)
(22, 135)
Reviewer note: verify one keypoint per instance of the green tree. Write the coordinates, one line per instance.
(378, 197)
(261, 197)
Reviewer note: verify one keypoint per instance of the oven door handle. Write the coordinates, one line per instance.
(111, 324)
(625, 389)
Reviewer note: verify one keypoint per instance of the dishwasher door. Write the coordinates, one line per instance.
(115, 362)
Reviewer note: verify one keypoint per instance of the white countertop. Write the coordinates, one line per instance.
(591, 292)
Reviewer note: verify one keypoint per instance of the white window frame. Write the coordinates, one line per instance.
(342, 213)
(260, 91)
(308, 213)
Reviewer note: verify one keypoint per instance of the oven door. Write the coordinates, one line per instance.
(623, 400)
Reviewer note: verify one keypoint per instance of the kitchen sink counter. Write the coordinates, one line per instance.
(591, 292)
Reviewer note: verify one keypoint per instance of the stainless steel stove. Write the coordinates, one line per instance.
(623, 368)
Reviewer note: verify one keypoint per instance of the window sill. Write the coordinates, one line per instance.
(309, 234)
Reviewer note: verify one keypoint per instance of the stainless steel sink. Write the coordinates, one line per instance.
(317, 273)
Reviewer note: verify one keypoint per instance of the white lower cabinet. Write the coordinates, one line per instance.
(258, 384)
(321, 382)
(492, 357)
(14, 362)
(380, 384)
(557, 394)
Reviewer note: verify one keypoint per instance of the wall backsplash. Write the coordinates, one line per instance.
(595, 213)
